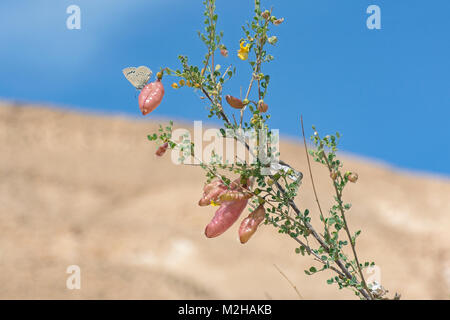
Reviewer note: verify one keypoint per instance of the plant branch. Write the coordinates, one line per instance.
(312, 178)
(346, 227)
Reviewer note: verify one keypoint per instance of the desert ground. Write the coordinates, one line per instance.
(87, 190)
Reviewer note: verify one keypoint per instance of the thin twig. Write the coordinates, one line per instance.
(290, 282)
(246, 98)
(312, 178)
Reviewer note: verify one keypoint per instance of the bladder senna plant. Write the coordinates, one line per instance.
(232, 187)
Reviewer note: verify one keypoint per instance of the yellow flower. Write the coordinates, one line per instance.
(182, 82)
(175, 85)
(243, 51)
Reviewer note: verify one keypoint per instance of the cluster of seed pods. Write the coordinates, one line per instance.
(232, 200)
(239, 104)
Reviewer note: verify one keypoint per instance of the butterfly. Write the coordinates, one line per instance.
(138, 77)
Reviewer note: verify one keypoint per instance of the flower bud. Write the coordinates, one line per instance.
(272, 40)
(352, 176)
(277, 22)
(266, 14)
(260, 76)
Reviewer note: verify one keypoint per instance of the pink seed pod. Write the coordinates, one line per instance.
(218, 192)
(224, 52)
(352, 177)
(250, 224)
(162, 149)
(151, 96)
(211, 192)
(224, 218)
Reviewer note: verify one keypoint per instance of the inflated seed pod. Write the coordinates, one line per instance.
(224, 218)
(234, 195)
(224, 52)
(151, 96)
(250, 224)
(352, 177)
(162, 149)
(262, 106)
(211, 192)
(234, 102)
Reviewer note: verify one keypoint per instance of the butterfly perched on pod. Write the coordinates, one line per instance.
(138, 77)
(234, 102)
(151, 93)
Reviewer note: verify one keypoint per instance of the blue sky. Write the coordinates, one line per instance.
(387, 91)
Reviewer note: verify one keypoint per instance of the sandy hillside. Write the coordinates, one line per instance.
(88, 191)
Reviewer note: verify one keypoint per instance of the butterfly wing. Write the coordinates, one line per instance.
(138, 77)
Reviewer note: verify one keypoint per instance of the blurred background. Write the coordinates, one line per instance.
(79, 184)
